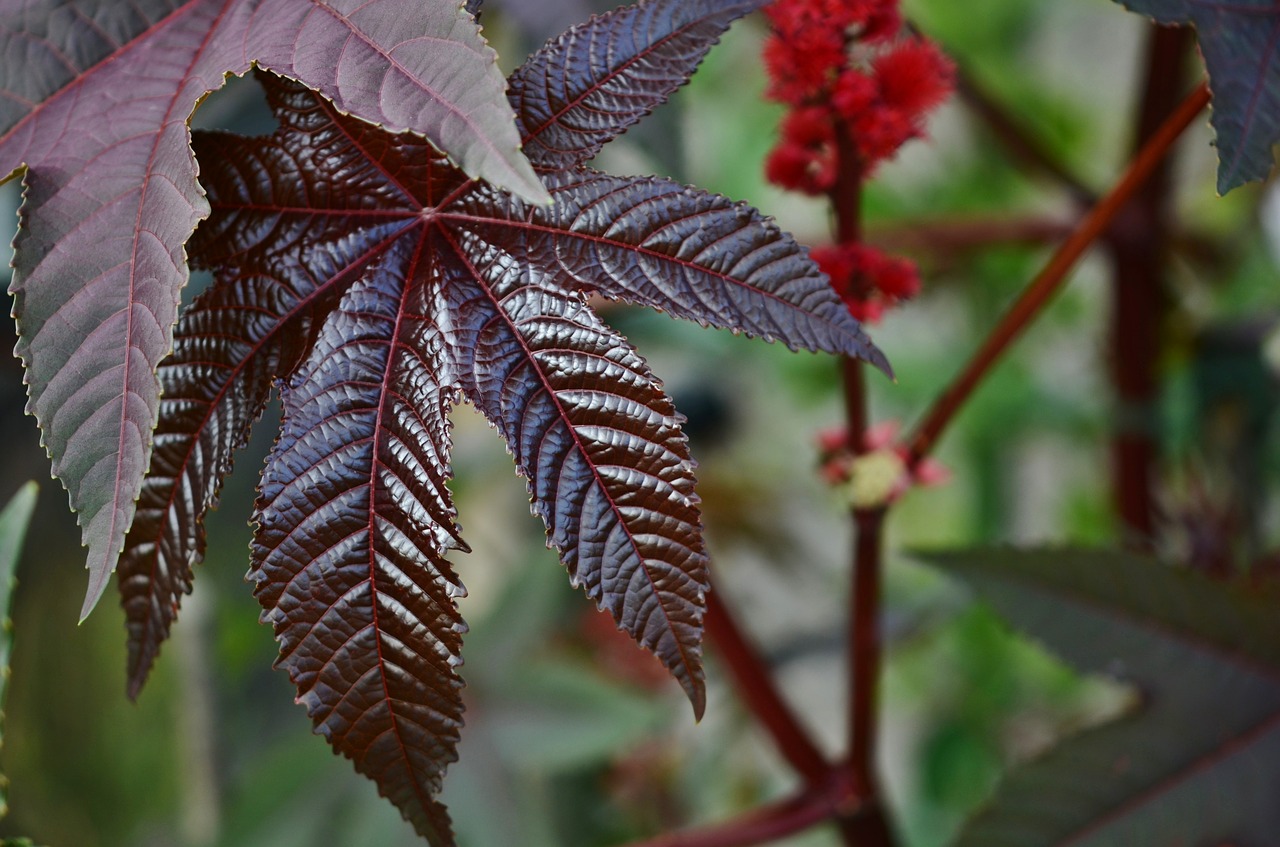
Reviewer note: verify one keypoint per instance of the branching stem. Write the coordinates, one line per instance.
(759, 826)
(1050, 280)
(849, 794)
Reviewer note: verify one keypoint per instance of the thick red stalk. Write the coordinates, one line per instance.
(1028, 305)
(758, 826)
(751, 678)
(846, 212)
(864, 648)
(869, 828)
(1139, 247)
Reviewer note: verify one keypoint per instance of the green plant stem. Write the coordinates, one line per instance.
(1051, 279)
(1138, 245)
(756, 688)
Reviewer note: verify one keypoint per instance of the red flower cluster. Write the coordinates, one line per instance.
(867, 280)
(843, 65)
(842, 61)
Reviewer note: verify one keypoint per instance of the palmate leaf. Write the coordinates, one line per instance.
(1195, 763)
(94, 102)
(1240, 42)
(423, 286)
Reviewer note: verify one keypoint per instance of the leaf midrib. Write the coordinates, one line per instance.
(281, 323)
(642, 560)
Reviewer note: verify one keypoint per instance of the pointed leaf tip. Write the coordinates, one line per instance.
(875, 357)
(698, 699)
(99, 578)
(586, 87)
(1239, 42)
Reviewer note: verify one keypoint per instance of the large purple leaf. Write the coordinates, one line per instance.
(98, 259)
(451, 288)
(1240, 42)
(1196, 761)
(354, 519)
(586, 87)
(94, 102)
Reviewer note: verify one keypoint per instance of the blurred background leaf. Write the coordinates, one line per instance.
(14, 521)
(1191, 760)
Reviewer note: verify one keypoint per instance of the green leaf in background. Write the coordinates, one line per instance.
(1198, 760)
(1238, 39)
(13, 528)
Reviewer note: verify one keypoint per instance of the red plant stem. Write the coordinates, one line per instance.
(869, 826)
(846, 205)
(759, 826)
(1139, 245)
(855, 403)
(751, 677)
(945, 237)
(859, 821)
(1047, 283)
(941, 239)
(864, 648)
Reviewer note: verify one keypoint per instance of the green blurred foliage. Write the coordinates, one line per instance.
(14, 520)
(569, 741)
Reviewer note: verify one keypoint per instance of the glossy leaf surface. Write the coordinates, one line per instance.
(1204, 658)
(354, 518)
(94, 102)
(1240, 42)
(620, 67)
(384, 285)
